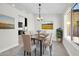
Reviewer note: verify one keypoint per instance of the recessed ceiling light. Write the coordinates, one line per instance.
(13, 5)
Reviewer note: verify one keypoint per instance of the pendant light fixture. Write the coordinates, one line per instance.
(39, 18)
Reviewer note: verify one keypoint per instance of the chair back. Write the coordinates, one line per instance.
(27, 42)
(51, 37)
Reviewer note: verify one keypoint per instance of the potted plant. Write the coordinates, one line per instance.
(59, 34)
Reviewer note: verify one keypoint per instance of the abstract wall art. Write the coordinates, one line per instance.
(48, 26)
(6, 22)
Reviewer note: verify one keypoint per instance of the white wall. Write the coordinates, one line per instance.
(9, 37)
(70, 46)
(56, 19)
(31, 22)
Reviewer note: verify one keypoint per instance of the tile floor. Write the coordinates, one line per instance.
(57, 50)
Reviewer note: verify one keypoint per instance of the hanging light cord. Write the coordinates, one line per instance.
(39, 10)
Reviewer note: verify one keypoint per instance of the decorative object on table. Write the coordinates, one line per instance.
(59, 34)
(38, 30)
(6, 22)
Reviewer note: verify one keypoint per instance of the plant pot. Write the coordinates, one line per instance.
(59, 39)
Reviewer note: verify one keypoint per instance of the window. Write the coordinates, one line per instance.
(75, 23)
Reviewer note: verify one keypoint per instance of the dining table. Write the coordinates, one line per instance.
(40, 38)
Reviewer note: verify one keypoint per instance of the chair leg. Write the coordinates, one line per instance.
(35, 52)
(24, 53)
(29, 53)
(50, 50)
(43, 49)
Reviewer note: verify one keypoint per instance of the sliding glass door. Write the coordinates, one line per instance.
(75, 23)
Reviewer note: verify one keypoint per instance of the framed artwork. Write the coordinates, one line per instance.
(47, 26)
(6, 22)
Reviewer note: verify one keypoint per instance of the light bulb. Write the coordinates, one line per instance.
(38, 18)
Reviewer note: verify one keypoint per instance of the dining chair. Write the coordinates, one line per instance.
(27, 44)
(48, 43)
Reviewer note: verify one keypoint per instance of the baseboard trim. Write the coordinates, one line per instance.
(67, 49)
(9, 48)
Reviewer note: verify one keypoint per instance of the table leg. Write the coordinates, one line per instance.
(40, 48)
(34, 41)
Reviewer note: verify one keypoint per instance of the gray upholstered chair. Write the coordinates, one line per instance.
(48, 43)
(27, 44)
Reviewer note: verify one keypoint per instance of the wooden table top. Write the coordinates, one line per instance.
(36, 37)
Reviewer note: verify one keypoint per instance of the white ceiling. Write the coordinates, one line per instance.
(46, 8)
